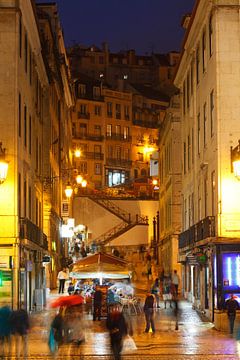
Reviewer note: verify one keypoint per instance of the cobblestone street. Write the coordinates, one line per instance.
(195, 338)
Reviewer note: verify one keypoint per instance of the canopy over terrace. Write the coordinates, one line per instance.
(100, 265)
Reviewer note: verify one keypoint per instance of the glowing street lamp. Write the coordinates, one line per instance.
(68, 190)
(77, 153)
(79, 179)
(3, 165)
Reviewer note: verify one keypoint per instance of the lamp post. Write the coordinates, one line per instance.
(3, 165)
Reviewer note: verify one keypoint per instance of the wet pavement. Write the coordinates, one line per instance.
(195, 338)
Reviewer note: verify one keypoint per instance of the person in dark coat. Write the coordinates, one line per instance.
(97, 304)
(20, 325)
(231, 306)
(117, 327)
(149, 312)
(5, 330)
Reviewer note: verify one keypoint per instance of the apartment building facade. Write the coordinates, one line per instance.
(207, 77)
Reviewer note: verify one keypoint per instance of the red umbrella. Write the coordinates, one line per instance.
(68, 301)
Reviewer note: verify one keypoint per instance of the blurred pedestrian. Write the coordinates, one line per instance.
(56, 332)
(232, 306)
(5, 331)
(149, 270)
(167, 293)
(175, 281)
(156, 292)
(20, 324)
(117, 327)
(88, 301)
(97, 304)
(149, 312)
(62, 277)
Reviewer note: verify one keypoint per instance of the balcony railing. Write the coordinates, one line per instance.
(91, 137)
(118, 162)
(32, 232)
(118, 137)
(151, 124)
(92, 155)
(200, 231)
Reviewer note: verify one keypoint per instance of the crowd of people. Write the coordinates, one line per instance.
(14, 327)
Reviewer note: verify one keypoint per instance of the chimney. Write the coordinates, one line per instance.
(185, 21)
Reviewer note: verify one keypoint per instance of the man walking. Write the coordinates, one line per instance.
(149, 312)
(231, 306)
(62, 277)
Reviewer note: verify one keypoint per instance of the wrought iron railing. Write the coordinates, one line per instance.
(91, 137)
(31, 232)
(199, 231)
(118, 162)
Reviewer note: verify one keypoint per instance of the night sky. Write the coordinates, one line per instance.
(143, 25)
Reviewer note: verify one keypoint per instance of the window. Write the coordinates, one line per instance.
(83, 167)
(189, 151)
(126, 154)
(118, 111)
(118, 152)
(197, 65)
(97, 110)
(110, 152)
(98, 169)
(19, 194)
(83, 129)
(198, 133)
(109, 130)
(205, 125)
(205, 197)
(199, 203)
(184, 157)
(25, 126)
(26, 52)
(126, 112)
(188, 90)
(25, 198)
(81, 90)
(213, 185)
(191, 78)
(204, 51)
(118, 130)
(30, 135)
(96, 91)
(29, 202)
(19, 115)
(20, 36)
(184, 98)
(83, 109)
(101, 60)
(212, 112)
(140, 156)
(97, 130)
(193, 146)
(210, 32)
(109, 109)
(126, 132)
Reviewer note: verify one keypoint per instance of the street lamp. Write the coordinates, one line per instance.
(235, 160)
(68, 190)
(3, 165)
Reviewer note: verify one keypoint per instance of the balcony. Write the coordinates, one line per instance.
(118, 137)
(200, 231)
(91, 137)
(92, 155)
(83, 115)
(32, 232)
(150, 124)
(119, 162)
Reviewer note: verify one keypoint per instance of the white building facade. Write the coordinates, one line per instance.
(208, 78)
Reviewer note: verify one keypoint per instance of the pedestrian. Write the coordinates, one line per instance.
(88, 301)
(70, 289)
(5, 331)
(20, 324)
(175, 281)
(232, 306)
(149, 270)
(117, 327)
(167, 294)
(62, 277)
(156, 292)
(97, 304)
(56, 332)
(149, 312)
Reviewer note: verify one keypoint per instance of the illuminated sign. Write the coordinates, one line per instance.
(231, 271)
